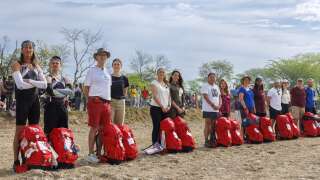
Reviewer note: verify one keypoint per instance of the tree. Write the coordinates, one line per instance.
(159, 61)
(194, 86)
(82, 44)
(140, 64)
(222, 69)
(46, 52)
(6, 58)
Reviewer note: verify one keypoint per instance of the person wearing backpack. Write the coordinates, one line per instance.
(29, 78)
(119, 91)
(59, 87)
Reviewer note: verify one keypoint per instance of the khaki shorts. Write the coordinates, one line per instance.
(297, 112)
(118, 110)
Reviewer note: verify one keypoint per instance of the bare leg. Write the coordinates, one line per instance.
(91, 139)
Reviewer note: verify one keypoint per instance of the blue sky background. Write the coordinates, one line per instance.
(248, 33)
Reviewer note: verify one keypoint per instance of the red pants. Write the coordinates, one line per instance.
(99, 112)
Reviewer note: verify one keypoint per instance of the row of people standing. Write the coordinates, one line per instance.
(278, 100)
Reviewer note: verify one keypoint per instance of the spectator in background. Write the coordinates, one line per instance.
(145, 96)
(77, 97)
(285, 99)
(298, 101)
(259, 97)
(274, 100)
(133, 95)
(84, 99)
(7, 89)
(310, 97)
(226, 99)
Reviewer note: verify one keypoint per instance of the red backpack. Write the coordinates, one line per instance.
(283, 127)
(130, 146)
(223, 134)
(169, 138)
(62, 140)
(295, 129)
(309, 126)
(35, 149)
(252, 132)
(184, 133)
(114, 151)
(237, 138)
(266, 129)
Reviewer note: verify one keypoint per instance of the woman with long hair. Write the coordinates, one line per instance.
(177, 94)
(226, 98)
(29, 78)
(160, 103)
(259, 97)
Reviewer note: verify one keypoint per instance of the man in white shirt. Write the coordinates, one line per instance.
(97, 87)
(274, 100)
(211, 104)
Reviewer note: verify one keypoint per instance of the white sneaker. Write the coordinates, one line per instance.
(92, 158)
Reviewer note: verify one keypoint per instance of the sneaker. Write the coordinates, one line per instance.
(208, 144)
(92, 158)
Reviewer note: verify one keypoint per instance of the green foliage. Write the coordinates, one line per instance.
(134, 79)
(222, 68)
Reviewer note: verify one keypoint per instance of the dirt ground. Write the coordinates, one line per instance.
(295, 159)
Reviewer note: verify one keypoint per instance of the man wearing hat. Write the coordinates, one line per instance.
(97, 87)
(59, 87)
(274, 100)
(298, 101)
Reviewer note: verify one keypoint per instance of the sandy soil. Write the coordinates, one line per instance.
(295, 159)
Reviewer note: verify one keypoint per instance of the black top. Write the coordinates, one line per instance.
(118, 86)
(176, 95)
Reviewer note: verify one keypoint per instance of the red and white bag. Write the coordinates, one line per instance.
(62, 141)
(169, 138)
(266, 129)
(130, 145)
(223, 134)
(184, 133)
(35, 150)
(237, 138)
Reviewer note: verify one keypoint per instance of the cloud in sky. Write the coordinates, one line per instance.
(189, 32)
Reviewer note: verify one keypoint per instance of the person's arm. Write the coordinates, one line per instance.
(18, 77)
(241, 100)
(42, 82)
(206, 98)
(86, 90)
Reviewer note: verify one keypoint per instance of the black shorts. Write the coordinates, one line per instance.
(27, 110)
(210, 115)
(273, 113)
(285, 108)
(55, 116)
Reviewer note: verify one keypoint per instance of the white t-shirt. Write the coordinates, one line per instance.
(286, 97)
(99, 81)
(275, 101)
(213, 93)
(163, 94)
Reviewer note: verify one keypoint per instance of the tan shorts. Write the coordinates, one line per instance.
(118, 110)
(297, 112)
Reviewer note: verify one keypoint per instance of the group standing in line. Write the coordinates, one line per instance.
(106, 93)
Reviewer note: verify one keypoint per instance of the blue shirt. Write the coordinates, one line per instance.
(248, 97)
(310, 97)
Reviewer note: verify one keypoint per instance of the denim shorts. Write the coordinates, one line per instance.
(210, 115)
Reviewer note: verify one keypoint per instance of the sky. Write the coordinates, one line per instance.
(247, 33)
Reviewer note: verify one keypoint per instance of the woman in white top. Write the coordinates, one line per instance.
(286, 98)
(160, 103)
